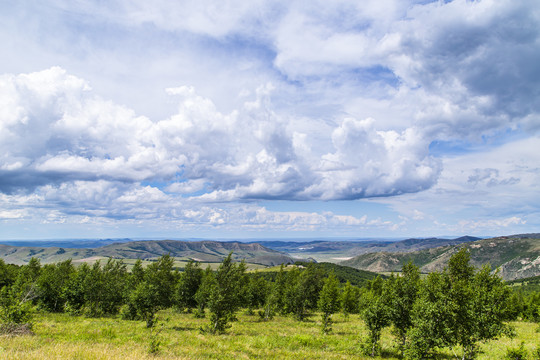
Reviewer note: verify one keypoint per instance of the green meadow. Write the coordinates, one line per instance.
(178, 336)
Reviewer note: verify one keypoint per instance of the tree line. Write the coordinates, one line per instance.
(456, 308)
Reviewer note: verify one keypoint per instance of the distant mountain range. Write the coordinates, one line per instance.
(335, 251)
(203, 251)
(517, 256)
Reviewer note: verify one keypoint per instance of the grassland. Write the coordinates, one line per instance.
(177, 336)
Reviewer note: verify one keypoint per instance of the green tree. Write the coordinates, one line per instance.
(16, 300)
(302, 290)
(74, 292)
(114, 290)
(329, 301)
(203, 293)
(226, 294)
(189, 283)
(277, 292)
(349, 299)
(257, 292)
(402, 294)
(104, 288)
(25, 284)
(458, 309)
(376, 316)
(15, 309)
(8, 274)
(431, 317)
(52, 283)
(155, 292)
(137, 274)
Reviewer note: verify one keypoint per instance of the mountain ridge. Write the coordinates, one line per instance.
(204, 251)
(517, 256)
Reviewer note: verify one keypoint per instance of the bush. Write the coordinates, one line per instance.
(13, 310)
(519, 353)
(129, 312)
(536, 353)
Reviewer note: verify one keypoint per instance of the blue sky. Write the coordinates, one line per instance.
(228, 119)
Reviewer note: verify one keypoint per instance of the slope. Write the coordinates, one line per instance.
(204, 251)
(517, 257)
(335, 251)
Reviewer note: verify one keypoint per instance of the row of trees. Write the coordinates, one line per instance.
(456, 308)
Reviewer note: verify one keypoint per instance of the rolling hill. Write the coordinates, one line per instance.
(204, 251)
(335, 251)
(517, 256)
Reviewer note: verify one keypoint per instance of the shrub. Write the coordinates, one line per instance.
(13, 310)
(536, 353)
(519, 353)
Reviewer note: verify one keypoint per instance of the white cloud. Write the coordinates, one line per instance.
(480, 191)
(250, 153)
(465, 226)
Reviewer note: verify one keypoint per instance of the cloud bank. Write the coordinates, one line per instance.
(56, 131)
(120, 111)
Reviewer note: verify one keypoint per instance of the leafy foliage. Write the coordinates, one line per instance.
(349, 299)
(225, 294)
(458, 308)
(402, 294)
(189, 283)
(329, 301)
(519, 353)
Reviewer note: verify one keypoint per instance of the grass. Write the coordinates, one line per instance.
(59, 336)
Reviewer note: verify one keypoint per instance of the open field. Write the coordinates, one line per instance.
(60, 336)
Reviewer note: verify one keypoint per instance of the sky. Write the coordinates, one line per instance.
(269, 119)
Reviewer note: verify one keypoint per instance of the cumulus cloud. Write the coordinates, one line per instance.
(248, 154)
(480, 191)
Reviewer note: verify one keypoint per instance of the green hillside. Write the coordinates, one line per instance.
(202, 251)
(517, 257)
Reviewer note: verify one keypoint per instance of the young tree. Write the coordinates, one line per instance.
(154, 292)
(376, 315)
(302, 290)
(189, 283)
(16, 300)
(52, 283)
(225, 294)
(115, 282)
(25, 284)
(329, 301)
(75, 290)
(458, 309)
(257, 292)
(8, 274)
(277, 292)
(431, 317)
(15, 310)
(137, 274)
(349, 299)
(203, 293)
(403, 292)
